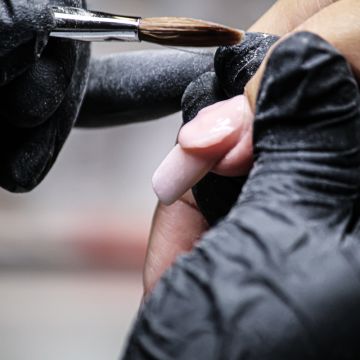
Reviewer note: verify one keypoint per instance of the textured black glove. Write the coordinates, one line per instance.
(39, 97)
(279, 277)
(140, 85)
(234, 67)
(24, 25)
(42, 89)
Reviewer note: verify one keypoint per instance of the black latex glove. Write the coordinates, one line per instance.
(23, 34)
(42, 89)
(234, 67)
(279, 277)
(140, 85)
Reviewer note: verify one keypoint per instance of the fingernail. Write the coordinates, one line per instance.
(179, 172)
(218, 124)
(215, 131)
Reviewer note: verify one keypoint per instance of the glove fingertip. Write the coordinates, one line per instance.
(26, 158)
(202, 92)
(306, 74)
(235, 65)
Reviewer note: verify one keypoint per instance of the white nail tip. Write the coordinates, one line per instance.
(178, 173)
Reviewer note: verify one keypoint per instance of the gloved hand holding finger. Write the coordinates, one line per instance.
(279, 276)
(218, 138)
(235, 66)
(214, 194)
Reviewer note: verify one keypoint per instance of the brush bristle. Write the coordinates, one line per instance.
(177, 31)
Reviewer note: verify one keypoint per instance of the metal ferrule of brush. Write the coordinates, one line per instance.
(79, 24)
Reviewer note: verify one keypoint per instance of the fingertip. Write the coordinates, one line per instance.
(202, 92)
(216, 129)
(230, 62)
(235, 65)
(238, 161)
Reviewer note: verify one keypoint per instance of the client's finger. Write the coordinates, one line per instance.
(177, 227)
(284, 16)
(174, 231)
(219, 138)
(339, 25)
(222, 132)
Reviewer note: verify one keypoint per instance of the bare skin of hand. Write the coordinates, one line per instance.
(175, 229)
(178, 227)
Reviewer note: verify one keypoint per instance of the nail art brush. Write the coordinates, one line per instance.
(80, 24)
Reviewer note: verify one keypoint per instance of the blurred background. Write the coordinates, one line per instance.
(71, 252)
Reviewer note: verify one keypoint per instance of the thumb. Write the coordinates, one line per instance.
(306, 132)
(236, 65)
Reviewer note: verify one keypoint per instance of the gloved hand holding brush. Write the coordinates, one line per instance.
(279, 276)
(43, 82)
